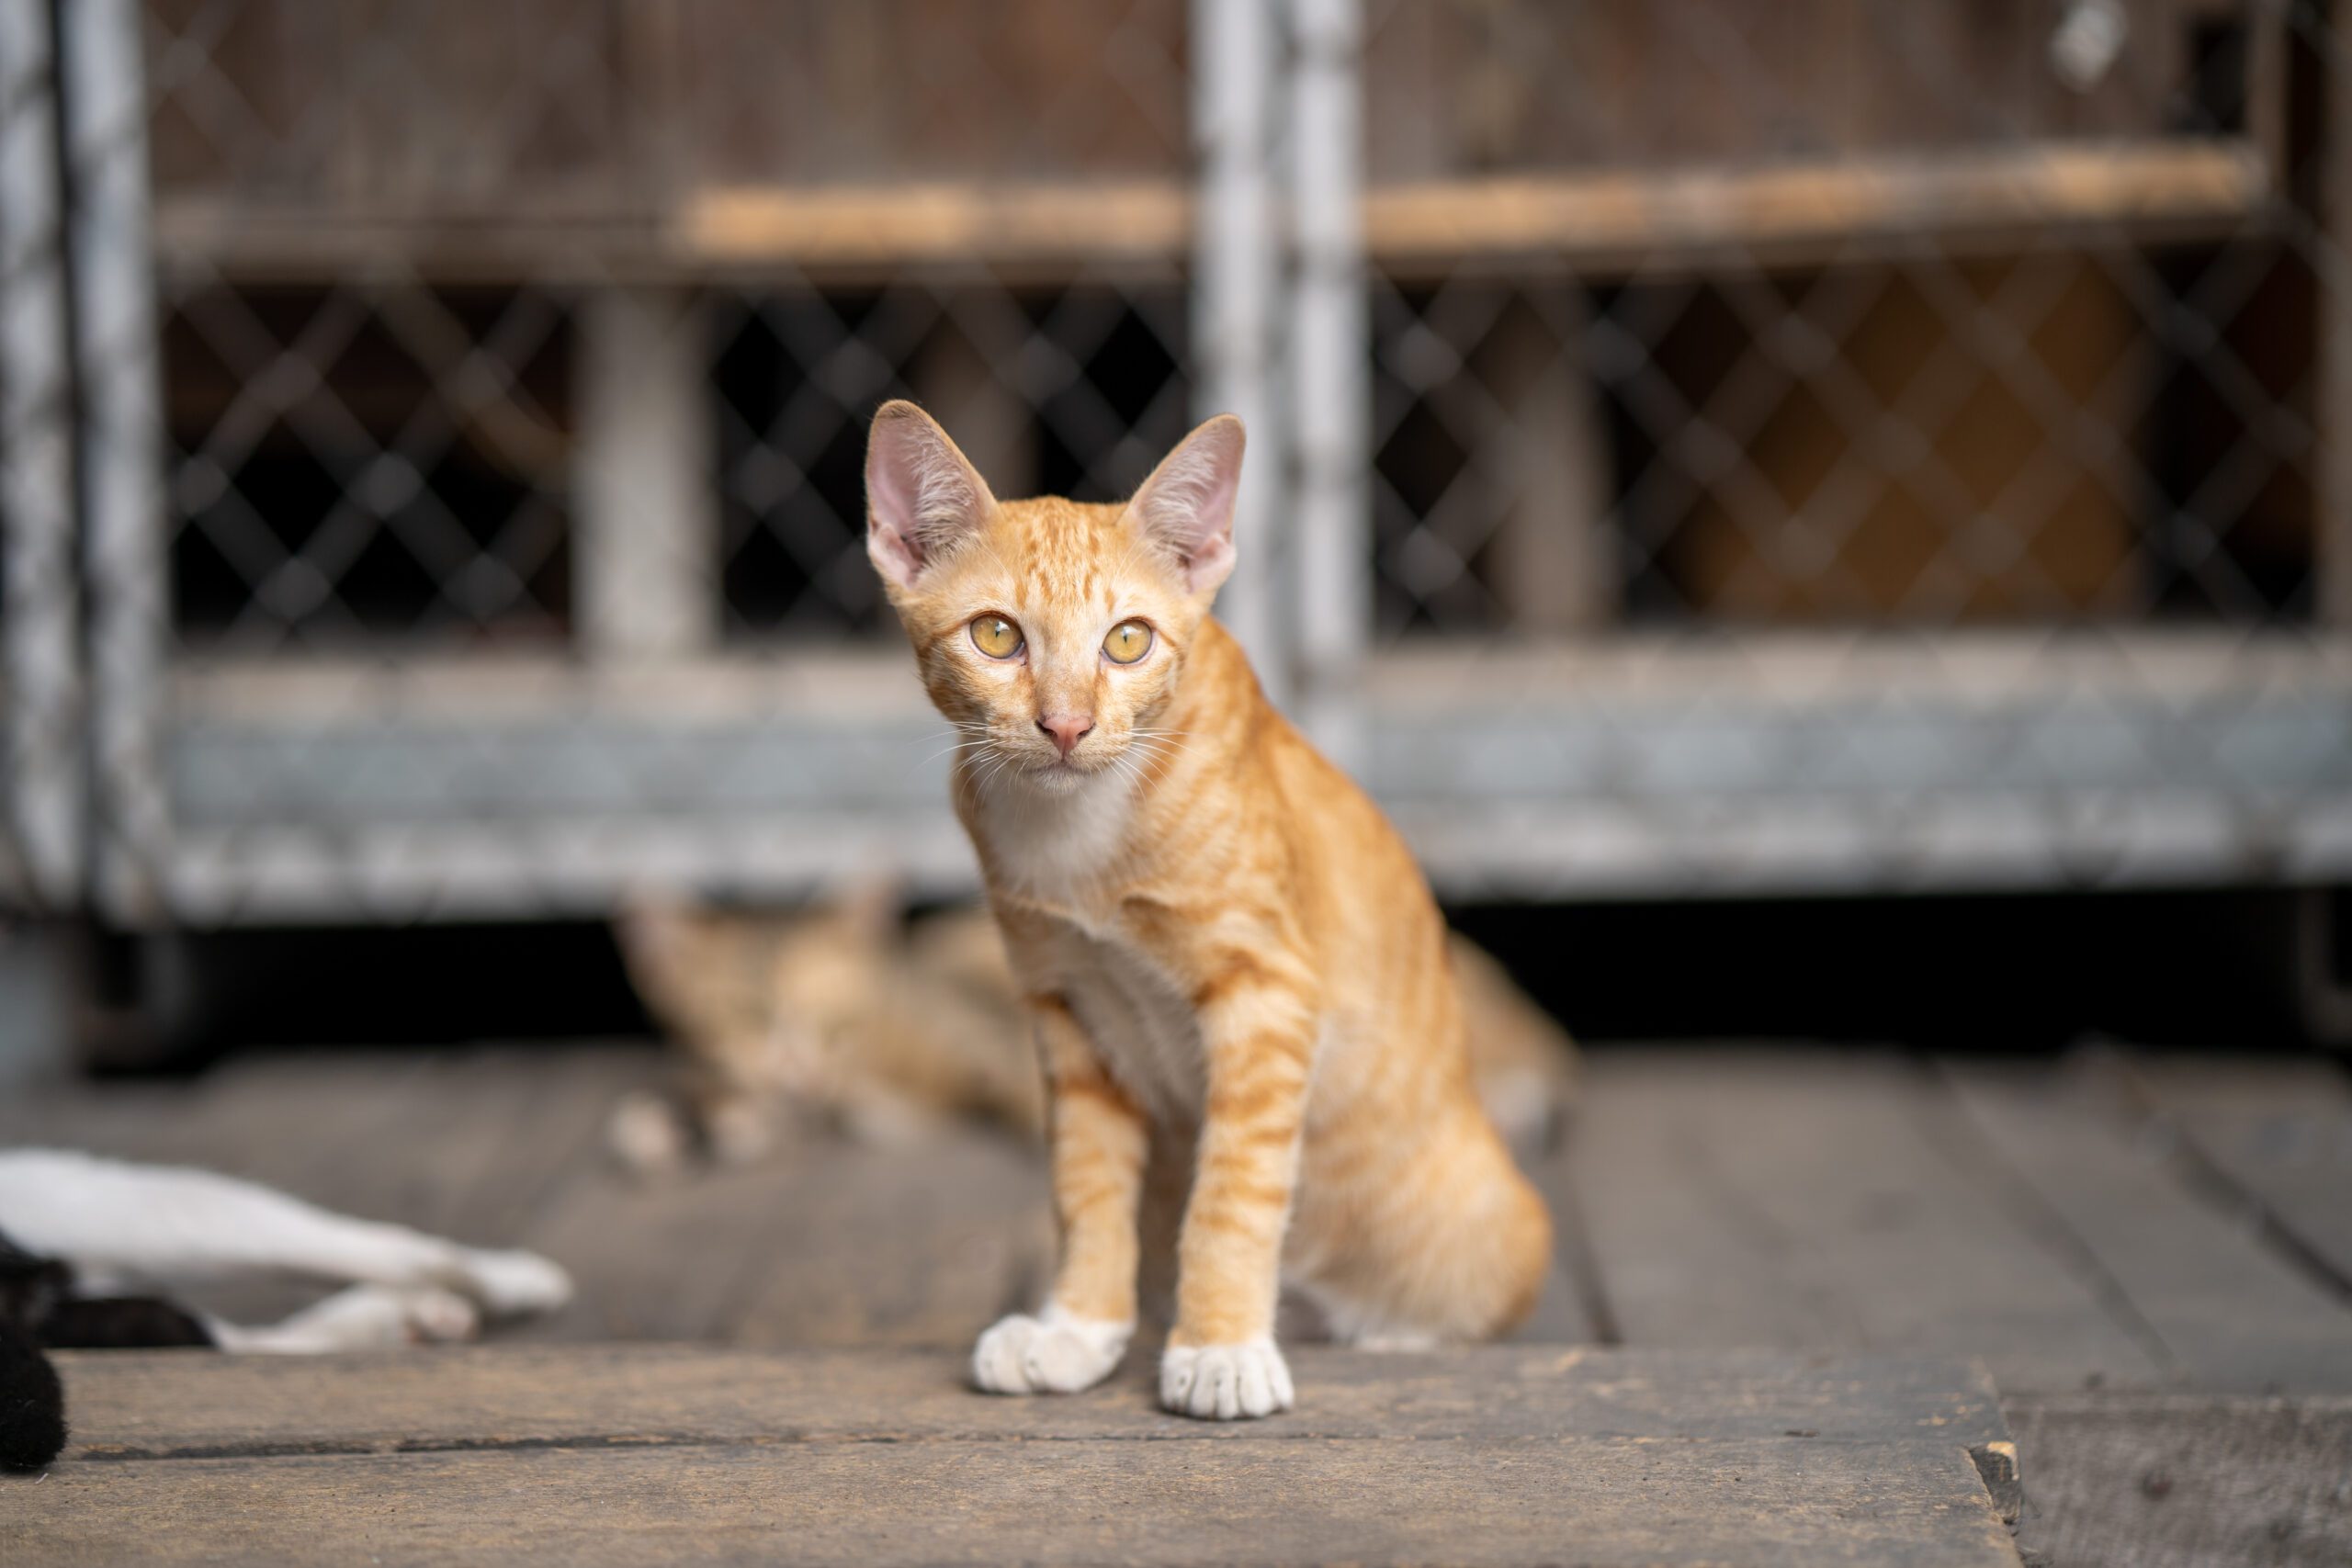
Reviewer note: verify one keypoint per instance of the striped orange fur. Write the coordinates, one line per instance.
(1229, 955)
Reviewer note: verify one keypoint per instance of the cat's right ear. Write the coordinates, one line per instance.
(921, 494)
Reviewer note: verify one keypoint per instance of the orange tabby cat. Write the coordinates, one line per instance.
(1222, 941)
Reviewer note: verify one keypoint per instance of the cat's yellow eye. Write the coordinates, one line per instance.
(1128, 641)
(996, 636)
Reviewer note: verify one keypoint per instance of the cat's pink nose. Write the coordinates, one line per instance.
(1068, 730)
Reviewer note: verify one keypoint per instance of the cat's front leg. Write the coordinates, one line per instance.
(1098, 1140)
(1258, 1031)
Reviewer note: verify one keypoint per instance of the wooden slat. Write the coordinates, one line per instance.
(2234, 1314)
(902, 1247)
(1814, 1200)
(824, 1243)
(1598, 219)
(597, 1454)
(1560, 1316)
(157, 1405)
(2185, 1480)
(1792, 212)
(663, 1260)
(485, 1137)
(2278, 1133)
(830, 226)
(1466, 1501)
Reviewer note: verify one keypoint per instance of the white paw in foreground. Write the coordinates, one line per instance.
(1051, 1353)
(514, 1284)
(371, 1318)
(1224, 1382)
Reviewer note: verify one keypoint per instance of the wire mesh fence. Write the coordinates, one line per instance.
(1703, 446)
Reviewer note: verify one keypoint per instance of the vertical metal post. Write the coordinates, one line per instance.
(44, 633)
(1547, 467)
(1330, 374)
(119, 357)
(1237, 285)
(2332, 263)
(648, 524)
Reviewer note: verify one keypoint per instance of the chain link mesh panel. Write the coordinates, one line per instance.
(1820, 446)
(1934, 316)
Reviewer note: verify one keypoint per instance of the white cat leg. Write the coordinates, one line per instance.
(364, 1317)
(166, 1225)
(513, 1283)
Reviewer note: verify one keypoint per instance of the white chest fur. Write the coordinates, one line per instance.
(1141, 1022)
(1060, 848)
(1064, 853)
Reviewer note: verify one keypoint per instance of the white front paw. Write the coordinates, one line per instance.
(516, 1284)
(1224, 1382)
(368, 1317)
(430, 1316)
(1054, 1352)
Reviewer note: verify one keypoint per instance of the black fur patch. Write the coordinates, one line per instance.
(33, 1401)
(120, 1322)
(32, 1404)
(37, 1307)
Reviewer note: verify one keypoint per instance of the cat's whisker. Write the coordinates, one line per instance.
(959, 745)
(995, 765)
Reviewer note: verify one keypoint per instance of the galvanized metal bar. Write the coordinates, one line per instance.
(647, 519)
(42, 641)
(118, 354)
(1330, 379)
(1236, 288)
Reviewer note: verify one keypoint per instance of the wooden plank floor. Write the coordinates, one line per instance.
(2106, 1234)
(2088, 1224)
(594, 1455)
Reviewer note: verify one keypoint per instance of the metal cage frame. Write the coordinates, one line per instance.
(154, 788)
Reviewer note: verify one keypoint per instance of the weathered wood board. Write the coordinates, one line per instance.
(2234, 1314)
(176, 1404)
(1819, 1201)
(2279, 1135)
(2186, 1480)
(644, 1454)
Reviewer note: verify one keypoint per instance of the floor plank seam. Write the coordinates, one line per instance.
(1945, 1121)
(2206, 1179)
(1574, 1239)
(112, 1453)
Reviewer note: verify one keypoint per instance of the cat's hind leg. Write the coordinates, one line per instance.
(361, 1318)
(1447, 1244)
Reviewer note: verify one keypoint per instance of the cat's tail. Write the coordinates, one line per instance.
(1523, 1063)
(32, 1403)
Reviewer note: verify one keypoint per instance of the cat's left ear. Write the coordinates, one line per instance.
(1186, 507)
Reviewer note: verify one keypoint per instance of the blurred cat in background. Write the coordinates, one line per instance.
(848, 1012)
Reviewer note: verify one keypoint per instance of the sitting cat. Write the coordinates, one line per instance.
(77, 1233)
(1227, 951)
(885, 1028)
